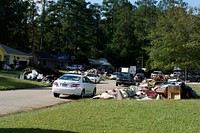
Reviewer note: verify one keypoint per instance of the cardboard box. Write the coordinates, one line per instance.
(174, 92)
(163, 91)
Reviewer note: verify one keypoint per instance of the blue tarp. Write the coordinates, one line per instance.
(187, 91)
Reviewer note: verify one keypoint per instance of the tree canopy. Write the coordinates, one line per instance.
(148, 33)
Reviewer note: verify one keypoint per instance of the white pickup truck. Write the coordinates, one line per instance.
(75, 67)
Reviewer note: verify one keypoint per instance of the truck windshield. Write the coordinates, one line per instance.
(123, 74)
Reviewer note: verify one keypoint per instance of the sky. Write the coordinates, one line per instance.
(193, 3)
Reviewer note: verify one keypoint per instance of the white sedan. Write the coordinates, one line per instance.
(95, 78)
(113, 76)
(72, 84)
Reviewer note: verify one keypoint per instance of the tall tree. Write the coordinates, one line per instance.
(123, 44)
(13, 21)
(145, 17)
(175, 40)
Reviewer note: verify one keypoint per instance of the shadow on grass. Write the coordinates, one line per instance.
(74, 97)
(31, 130)
(69, 97)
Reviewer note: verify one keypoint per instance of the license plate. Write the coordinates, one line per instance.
(64, 85)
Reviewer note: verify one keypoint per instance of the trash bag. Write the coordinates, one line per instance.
(187, 92)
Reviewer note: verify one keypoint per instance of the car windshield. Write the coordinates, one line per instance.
(157, 72)
(123, 74)
(70, 77)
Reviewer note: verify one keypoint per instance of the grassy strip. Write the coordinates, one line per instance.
(8, 83)
(15, 72)
(195, 88)
(109, 116)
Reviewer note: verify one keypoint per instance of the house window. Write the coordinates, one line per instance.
(7, 59)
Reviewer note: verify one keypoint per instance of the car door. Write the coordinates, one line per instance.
(88, 85)
(97, 78)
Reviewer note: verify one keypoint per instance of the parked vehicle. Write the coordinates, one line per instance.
(75, 67)
(139, 77)
(113, 76)
(74, 72)
(95, 78)
(154, 74)
(190, 77)
(125, 78)
(175, 74)
(72, 84)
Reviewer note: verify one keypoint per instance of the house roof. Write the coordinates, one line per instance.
(64, 57)
(101, 61)
(104, 62)
(12, 51)
(94, 62)
(43, 55)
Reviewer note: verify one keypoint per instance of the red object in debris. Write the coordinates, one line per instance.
(150, 93)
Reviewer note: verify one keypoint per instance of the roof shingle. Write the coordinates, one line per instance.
(12, 51)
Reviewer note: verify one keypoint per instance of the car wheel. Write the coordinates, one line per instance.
(82, 94)
(56, 94)
(117, 84)
(94, 92)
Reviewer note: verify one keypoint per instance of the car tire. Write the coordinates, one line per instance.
(117, 84)
(94, 92)
(82, 93)
(56, 94)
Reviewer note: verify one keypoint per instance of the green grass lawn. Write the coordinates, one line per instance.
(7, 83)
(109, 116)
(15, 72)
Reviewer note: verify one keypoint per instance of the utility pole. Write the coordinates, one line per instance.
(33, 17)
(42, 24)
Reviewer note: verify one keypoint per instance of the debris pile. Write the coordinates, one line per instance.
(150, 89)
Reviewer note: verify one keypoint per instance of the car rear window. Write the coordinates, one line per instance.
(70, 77)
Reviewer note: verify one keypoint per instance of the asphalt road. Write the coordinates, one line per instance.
(15, 101)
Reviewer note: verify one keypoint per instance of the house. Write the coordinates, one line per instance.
(101, 64)
(11, 56)
(64, 60)
(45, 60)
